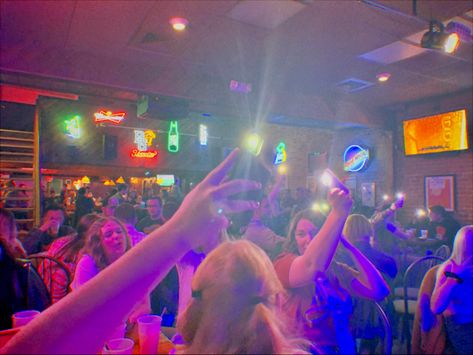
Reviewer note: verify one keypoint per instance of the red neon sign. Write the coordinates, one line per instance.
(149, 154)
(108, 116)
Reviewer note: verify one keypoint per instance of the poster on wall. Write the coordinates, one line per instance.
(439, 190)
(368, 194)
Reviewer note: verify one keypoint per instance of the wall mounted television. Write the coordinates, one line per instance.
(444, 132)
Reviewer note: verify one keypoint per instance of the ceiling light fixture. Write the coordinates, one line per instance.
(178, 23)
(383, 77)
(437, 38)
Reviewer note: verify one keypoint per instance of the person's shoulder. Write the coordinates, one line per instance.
(58, 244)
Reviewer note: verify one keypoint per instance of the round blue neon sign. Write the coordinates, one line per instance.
(355, 158)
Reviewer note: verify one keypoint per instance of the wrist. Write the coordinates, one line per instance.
(453, 276)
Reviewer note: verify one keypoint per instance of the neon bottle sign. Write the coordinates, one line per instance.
(281, 155)
(73, 127)
(109, 116)
(173, 137)
(355, 158)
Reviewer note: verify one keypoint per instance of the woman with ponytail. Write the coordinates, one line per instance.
(235, 306)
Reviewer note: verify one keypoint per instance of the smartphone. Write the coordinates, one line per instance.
(329, 179)
(250, 167)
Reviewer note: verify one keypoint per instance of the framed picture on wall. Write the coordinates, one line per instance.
(440, 190)
(368, 194)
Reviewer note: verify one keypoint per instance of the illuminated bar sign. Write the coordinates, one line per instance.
(165, 180)
(203, 134)
(72, 127)
(355, 158)
(144, 140)
(280, 156)
(109, 116)
(173, 137)
(135, 153)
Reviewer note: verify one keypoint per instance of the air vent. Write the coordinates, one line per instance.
(353, 85)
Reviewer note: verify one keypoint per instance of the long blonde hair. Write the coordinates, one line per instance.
(235, 306)
(93, 244)
(462, 252)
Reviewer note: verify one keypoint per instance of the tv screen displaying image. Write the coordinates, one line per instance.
(444, 132)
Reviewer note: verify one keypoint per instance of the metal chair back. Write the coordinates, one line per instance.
(430, 258)
(50, 270)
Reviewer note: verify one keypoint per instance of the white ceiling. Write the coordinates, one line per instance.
(293, 53)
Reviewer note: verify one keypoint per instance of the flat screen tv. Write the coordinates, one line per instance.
(444, 132)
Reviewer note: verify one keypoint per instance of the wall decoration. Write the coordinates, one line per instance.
(355, 158)
(72, 127)
(368, 194)
(109, 116)
(203, 135)
(440, 190)
(144, 140)
(173, 137)
(281, 155)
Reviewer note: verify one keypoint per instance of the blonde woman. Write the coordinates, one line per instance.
(234, 308)
(106, 241)
(451, 296)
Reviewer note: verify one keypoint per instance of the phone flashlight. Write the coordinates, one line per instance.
(329, 179)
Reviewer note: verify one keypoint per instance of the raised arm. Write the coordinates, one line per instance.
(368, 283)
(82, 321)
(321, 248)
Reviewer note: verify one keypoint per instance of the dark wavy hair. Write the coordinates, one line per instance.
(317, 218)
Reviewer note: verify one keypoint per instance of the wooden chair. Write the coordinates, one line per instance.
(54, 273)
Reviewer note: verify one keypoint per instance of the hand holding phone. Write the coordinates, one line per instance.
(329, 179)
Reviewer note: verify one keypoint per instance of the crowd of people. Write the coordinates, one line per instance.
(233, 276)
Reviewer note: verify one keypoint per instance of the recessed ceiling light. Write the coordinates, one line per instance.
(382, 77)
(178, 23)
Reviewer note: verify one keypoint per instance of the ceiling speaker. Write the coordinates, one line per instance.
(162, 108)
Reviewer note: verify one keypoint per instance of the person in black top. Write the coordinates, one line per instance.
(39, 239)
(442, 226)
(84, 204)
(155, 218)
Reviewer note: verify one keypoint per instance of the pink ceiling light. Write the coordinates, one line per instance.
(178, 23)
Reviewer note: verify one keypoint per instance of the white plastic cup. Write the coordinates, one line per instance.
(22, 318)
(149, 327)
(119, 346)
(118, 332)
(423, 233)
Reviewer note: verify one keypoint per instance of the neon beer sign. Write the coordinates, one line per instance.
(109, 116)
(144, 140)
(355, 158)
(281, 155)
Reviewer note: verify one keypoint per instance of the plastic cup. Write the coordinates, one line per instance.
(22, 318)
(149, 327)
(118, 332)
(119, 346)
(423, 234)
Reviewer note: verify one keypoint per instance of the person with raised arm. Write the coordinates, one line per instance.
(320, 288)
(82, 321)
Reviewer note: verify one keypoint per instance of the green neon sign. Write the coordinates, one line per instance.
(173, 137)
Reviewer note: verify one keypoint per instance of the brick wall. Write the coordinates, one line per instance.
(409, 172)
